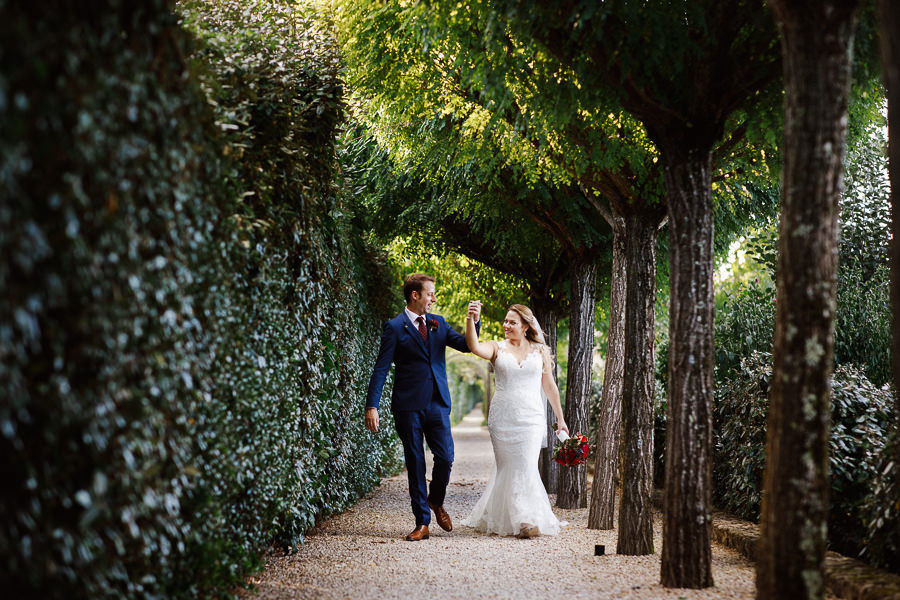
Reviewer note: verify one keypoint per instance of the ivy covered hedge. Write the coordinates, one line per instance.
(188, 313)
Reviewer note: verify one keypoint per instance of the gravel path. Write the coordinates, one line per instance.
(361, 553)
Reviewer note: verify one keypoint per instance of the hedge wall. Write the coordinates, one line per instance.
(188, 315)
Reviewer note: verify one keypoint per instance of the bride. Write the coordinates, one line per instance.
(515, 502)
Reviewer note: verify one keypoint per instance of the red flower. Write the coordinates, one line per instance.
(432, 324)
(572, 452)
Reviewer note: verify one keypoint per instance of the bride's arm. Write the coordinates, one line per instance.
(485, 350)
(552, 391)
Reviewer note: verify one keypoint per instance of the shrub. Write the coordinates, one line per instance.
(744, 336)
(881, 508)
(863, 320)
(273, 80)
(739, 430)
(859, 413)
(746, 324)
(862, 324)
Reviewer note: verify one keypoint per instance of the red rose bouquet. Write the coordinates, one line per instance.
(432, 324)
(572, 451)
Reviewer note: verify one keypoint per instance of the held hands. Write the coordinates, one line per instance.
(474, 310)
(372, 419)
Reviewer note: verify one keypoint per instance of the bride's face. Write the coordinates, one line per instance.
(513, 326)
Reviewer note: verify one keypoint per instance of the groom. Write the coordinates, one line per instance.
(415, 342)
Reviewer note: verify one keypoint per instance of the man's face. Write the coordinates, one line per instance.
(423, 300)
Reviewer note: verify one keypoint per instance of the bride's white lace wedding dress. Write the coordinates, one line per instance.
(515, 496)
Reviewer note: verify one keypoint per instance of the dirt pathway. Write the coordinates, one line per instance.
(361, 553)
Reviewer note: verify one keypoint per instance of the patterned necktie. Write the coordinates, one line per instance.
(422, 331)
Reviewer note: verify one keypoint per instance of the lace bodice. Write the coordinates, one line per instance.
(510, 375)
(517, 396)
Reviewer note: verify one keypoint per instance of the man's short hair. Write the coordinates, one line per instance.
(415, 283)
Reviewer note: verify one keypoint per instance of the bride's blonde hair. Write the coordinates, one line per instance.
(533, 331)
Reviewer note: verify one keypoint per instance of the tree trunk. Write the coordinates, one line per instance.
(572, 488)
(609, 429)
(687, 520)
(547, 316)
(889, 22)
(816, 45)
(635, 515)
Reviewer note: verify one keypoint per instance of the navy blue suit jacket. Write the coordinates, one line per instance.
(420, 365)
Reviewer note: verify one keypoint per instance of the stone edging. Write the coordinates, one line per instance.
(845, 577)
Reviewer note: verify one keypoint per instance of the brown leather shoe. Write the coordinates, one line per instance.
(419, 533)
(528, 531)
(443, 519)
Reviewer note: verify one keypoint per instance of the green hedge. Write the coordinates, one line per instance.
(859, 427)
(881, 508)
(188, 314)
